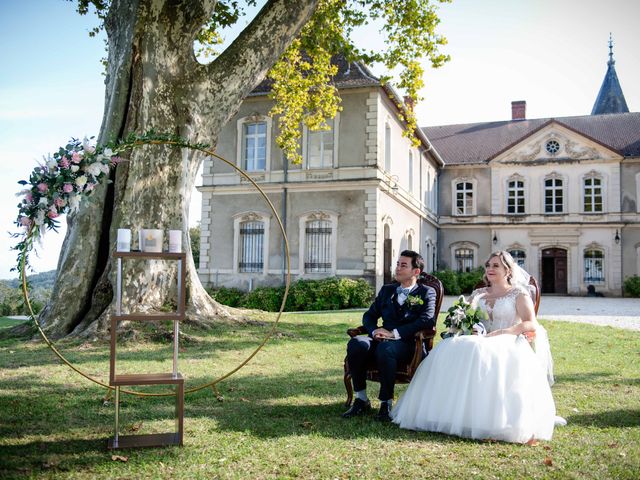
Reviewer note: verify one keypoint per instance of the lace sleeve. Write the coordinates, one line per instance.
(475, 296)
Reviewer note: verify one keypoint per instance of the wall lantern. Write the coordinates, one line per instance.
(617, 237)
(495, 238)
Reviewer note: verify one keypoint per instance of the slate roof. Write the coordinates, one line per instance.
(480, 142)
(350, 75)
(610, 97)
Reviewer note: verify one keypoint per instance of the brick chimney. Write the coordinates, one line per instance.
(519, 110)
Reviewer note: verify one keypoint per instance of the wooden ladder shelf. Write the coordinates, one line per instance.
(173, 378)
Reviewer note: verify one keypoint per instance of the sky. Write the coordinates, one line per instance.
(551, 53)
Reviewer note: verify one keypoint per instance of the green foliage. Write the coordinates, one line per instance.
(455, 283)
(194, 236)
(632, 286)
(264, 298)
(449, 280)
(468, 280)
(304, 295)
(231, 297)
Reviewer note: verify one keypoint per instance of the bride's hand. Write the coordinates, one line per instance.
(495, 333)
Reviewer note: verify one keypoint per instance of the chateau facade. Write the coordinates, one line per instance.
(562, 194)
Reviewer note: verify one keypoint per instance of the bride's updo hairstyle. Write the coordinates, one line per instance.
(506, 259)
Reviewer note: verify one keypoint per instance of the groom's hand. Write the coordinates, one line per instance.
(382, 333)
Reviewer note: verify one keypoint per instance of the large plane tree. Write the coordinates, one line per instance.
(154, 81)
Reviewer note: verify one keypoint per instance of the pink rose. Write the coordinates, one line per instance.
(67, 188)
(25, 221)
(43, 187)
(59, 202)
(53, 214)
(76, 157)
(28, 197)
(64, 162)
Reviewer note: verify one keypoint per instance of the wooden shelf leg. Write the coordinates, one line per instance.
(117, 402)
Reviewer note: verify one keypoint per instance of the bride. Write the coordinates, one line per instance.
(493, 386)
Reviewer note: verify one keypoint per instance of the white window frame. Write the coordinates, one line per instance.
(555, 177)
(638, 196)
(410, 171)
(591, 176)
(238, 220)
(387, 146)
(521, 249)
(326, 215)
(466, 245)
(454, 195)
(306, 135)
(523, 189)
(240, 140)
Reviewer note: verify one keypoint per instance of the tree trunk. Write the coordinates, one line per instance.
(154, 82)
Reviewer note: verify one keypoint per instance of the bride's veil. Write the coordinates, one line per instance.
(520, 278)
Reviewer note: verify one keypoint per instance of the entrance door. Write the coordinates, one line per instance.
(387, 261)
(554, 270)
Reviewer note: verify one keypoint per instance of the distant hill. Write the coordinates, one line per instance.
(38, 281)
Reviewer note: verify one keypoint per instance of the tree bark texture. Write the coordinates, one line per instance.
(155, 82)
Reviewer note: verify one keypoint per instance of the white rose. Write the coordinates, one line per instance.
(75, 168)
(74, 203)
(93, 169)
(81, 181)
(43, 201)
(105, 168)
(40, 217)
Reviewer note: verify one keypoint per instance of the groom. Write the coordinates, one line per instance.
(405, 307)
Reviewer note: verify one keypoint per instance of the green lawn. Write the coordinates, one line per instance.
(6, 322)
(280, 417)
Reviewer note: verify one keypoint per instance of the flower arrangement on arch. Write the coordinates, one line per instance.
(57, 185)
(461, 317)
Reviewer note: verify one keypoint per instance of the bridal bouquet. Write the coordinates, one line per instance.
(461, 318)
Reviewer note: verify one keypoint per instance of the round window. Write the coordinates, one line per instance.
(552, 147)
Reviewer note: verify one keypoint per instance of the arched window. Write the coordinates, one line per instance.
(515, 196)
(519, 256)
(464, 259)
(593, 266)
(410, 242)
(592, 189)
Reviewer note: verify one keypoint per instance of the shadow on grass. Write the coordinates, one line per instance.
(607, 419)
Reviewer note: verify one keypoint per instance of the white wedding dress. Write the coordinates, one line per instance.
(484, 387)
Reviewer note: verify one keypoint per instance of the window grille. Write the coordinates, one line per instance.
(251, 247)
(593, 266)
(255, 146)
(515, 197)
(592, 195)
(464, 259)
(318, 246)
(553, 196)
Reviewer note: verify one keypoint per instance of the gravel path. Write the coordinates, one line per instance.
(615, 312)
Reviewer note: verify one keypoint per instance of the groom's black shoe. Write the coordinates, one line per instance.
(383, 413)
(358, 408)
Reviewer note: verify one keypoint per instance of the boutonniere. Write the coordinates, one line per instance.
(414, 301)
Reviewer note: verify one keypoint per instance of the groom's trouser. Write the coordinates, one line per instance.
(388, 355)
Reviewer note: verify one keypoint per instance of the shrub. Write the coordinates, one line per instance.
(264, 298)
(231, 297)
(304, 295)
(468, 280)
(632, 286)
(449, 280)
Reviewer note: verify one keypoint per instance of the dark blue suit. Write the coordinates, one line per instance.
(406, 319)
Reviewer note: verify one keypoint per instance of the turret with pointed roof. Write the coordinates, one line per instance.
(610, 97)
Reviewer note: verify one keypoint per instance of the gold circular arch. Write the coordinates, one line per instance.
(213, 383)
